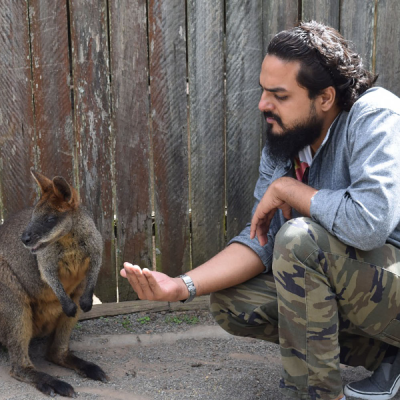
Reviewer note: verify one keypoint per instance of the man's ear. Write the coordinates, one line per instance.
(327, 98)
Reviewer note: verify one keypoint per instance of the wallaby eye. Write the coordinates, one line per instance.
(51, 220)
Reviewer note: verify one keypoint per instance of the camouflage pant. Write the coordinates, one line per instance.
(326, 303)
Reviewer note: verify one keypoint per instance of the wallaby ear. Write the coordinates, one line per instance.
(62, 189)
(44, 183)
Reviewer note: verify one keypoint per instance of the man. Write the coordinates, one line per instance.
(326, 221)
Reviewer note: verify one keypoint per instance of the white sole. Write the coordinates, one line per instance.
(374, 396)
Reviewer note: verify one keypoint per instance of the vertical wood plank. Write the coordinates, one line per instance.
(167, 39)
(206, 101)
(89, 40)
(51, 87)
(243, 119)
(129, 68)
(278, 16)
(360, 30)
(388, 45)
(324, 11)
(16, 113)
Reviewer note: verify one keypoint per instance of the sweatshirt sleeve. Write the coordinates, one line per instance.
(267, 173)
(364, 214)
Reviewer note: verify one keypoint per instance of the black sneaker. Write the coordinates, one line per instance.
(383, 384)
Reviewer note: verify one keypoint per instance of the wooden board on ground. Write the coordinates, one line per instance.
(129, 307)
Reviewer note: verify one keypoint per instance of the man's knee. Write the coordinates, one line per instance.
(238, 316)
(298, 239)
(226, 313)
(225, 308)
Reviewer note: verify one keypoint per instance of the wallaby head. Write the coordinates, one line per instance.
(52, 215)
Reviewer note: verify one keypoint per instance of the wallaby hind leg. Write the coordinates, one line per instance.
(16, 334)
(59, 353)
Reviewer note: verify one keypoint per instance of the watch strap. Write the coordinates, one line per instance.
(190, 286)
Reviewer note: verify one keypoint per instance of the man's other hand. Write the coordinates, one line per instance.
(284, 194)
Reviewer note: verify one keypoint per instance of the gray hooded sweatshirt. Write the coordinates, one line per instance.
(357, 174)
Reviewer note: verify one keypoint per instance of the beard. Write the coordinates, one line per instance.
(287, 144)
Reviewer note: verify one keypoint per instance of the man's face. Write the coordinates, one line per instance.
(293, 122)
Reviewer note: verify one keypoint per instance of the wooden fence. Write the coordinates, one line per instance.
(150, 109)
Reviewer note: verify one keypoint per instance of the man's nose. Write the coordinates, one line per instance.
(265, 103)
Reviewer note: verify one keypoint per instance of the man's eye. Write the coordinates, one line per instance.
(281, 98)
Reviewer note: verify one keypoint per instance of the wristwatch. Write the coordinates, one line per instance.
(190, 286)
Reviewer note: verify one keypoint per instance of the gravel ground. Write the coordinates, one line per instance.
(143, 323)
(163, 356)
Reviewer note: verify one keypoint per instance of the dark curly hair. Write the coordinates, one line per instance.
(326, 59)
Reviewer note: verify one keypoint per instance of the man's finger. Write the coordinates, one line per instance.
(253, 230)
(144, 286)
(254, 224)
(132, 272)
(154, 286)
(262, 235)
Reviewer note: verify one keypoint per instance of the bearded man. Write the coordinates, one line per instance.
(317, 270)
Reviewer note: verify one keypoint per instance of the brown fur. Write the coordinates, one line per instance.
(46, 281)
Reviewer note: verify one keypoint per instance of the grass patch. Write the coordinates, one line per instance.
(126, 323)
(143, 320)
(183, 319)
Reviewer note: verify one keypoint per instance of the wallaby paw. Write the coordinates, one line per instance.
(70, 309)
(94, 372)
(86, 303)
(56, 386)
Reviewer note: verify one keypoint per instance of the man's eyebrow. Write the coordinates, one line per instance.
(274, 90)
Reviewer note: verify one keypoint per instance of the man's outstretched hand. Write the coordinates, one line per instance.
(153, 285)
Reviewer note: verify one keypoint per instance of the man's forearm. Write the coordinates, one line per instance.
(235, 264)
(296, 194)
(284, 194)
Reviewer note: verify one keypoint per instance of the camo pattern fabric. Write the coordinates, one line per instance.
(326, 303)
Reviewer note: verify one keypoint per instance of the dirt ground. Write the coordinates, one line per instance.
(163, 355)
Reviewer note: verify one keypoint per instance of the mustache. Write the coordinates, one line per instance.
(269, 114)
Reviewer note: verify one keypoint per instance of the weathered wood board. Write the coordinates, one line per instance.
(51, 82)
(130, 130)
(17, 135)
(169, 133)
(207, 127)
(244, 43)
(325, 11)
(92, 123)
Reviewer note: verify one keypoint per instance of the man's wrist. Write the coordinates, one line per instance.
(182, 292)
(190, 288)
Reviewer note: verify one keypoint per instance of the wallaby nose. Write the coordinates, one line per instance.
(26, 238)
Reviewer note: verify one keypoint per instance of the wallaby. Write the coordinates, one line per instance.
(50, 256)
